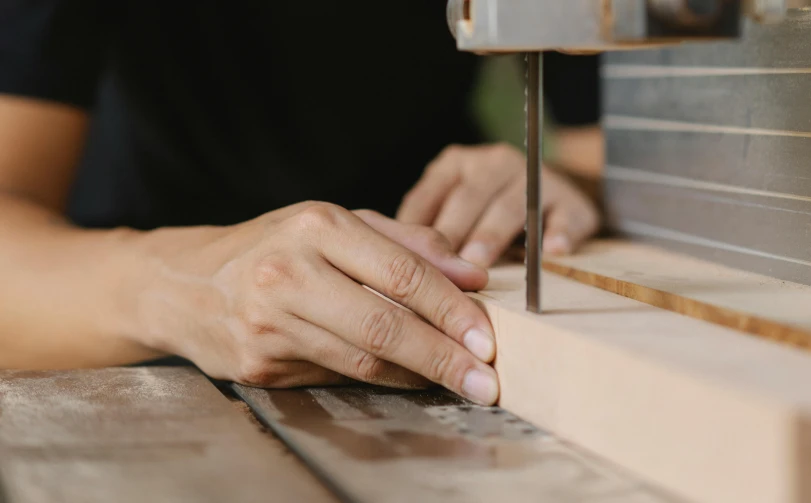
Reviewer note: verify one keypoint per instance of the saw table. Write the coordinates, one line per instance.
(168, 434)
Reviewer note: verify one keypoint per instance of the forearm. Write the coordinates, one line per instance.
(62, 292)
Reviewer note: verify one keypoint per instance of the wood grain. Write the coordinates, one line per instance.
(146, 434)
(702, 410)
(759, 305)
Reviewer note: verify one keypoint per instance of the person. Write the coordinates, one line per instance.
(223, 182)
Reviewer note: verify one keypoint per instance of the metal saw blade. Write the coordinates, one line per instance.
(533, 92)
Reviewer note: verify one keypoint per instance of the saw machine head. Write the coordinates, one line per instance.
(534, 26)
(599, 25)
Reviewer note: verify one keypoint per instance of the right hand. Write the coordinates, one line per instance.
(279, 302)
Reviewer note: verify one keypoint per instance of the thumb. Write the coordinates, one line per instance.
(430, 245)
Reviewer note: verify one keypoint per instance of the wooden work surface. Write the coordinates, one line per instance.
(135, 435)
(759, 305)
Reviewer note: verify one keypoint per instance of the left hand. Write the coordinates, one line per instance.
(476, 197)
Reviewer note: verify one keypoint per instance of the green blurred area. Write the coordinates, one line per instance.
(498, 102)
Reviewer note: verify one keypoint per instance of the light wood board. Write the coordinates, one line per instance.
(753, 303)
(702, 410)
(134, 435)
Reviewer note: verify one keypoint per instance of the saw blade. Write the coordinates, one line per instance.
(533, 94)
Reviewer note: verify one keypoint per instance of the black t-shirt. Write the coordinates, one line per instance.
(216, 111)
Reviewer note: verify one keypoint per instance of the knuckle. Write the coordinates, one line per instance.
(504, 151)
(503, 148)
(303, 205)
(504, 154)
(365, 366)
(440, 364)
(318, 216)
(365, 213)
(403, 276)
(452, 149)
(271, 271)
(381, 329)
(257, 372)
(444, 314)
(258, 322)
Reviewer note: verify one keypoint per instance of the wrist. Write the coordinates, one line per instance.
(167, 286)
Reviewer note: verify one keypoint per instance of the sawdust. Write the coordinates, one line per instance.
(246, 411)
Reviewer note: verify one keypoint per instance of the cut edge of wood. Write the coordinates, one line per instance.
(748, 323)
(803, 471)
(668, 418)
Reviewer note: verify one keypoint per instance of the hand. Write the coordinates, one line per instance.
(279, 302)
(476, 197)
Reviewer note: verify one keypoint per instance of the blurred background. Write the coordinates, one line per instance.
(499, 101)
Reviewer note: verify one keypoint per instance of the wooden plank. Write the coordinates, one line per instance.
(138, 434)
(700, 409)
(386, 446)
(753, 303)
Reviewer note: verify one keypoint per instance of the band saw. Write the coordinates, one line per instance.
(532, 26)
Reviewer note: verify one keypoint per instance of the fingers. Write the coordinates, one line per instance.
(275, 374)
(431, 245)
(390, 333)
(460, 213)
(570, 217)
(457, 186)
(408, 279)
(497, 229)
(422, 203)
(331, 352)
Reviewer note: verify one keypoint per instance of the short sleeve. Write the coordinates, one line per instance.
(572, 88)
(53, 49)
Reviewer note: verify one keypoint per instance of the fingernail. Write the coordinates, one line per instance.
(558, 244)
(480, 387)
(477, 253)
(481, 344)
